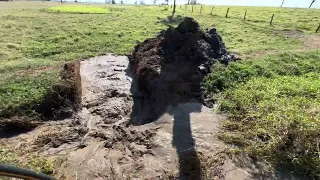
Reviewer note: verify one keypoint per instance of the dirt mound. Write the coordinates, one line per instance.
(170, 67)
(65, 97)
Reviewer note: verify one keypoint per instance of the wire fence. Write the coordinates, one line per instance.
(201, 10)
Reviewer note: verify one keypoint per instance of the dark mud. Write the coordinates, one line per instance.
(170, 68)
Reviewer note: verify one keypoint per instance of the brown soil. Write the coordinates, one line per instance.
(170, 67)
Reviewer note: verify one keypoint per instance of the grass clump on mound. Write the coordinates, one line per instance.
(79, 9)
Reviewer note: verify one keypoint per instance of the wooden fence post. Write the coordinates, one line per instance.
(211, 10)
(171, 5)
(245, 16)
(271, 19)
(227, 13)
(201, 9)
(185, 8)
(180, 6)
(318, 28)
(192, 7)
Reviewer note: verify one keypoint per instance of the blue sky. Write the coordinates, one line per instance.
(276, 3)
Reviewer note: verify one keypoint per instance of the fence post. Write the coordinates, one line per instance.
(271, 19)
(245, 16)
(318, 28)
(192, 7)
(211, 10)
(180, 6)
(171, 5)
(185, 8)
(227, 13)
(201, 9)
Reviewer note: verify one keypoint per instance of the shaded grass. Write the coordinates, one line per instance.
(78, 9)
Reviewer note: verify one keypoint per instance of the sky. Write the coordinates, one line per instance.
(276, 3)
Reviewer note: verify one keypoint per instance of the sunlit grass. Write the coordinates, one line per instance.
(78, 9)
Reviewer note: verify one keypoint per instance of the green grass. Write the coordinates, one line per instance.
(274, 108)
(79, 9)
(32, 162)
(277, 119)
(19, 94)
(286, 64)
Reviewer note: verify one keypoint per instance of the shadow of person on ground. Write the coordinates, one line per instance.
(183, 141)
(148, 108)
(171, 20)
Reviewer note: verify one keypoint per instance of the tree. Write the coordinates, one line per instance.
(312, 3)
(282, 3)
(121, 2)
(113, 2)
(167, 1)
(188, 1)
(154, 2)
(142, 2)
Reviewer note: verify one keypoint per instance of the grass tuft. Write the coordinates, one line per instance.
(32, 162)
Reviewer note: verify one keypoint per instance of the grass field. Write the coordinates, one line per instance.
(78, 9)
(272, 95)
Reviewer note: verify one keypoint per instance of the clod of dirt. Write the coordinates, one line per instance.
(170, 67)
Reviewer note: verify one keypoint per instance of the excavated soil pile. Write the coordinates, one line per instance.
(170, 67)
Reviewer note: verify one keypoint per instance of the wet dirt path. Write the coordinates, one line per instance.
(100, 143)
(113, 149)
